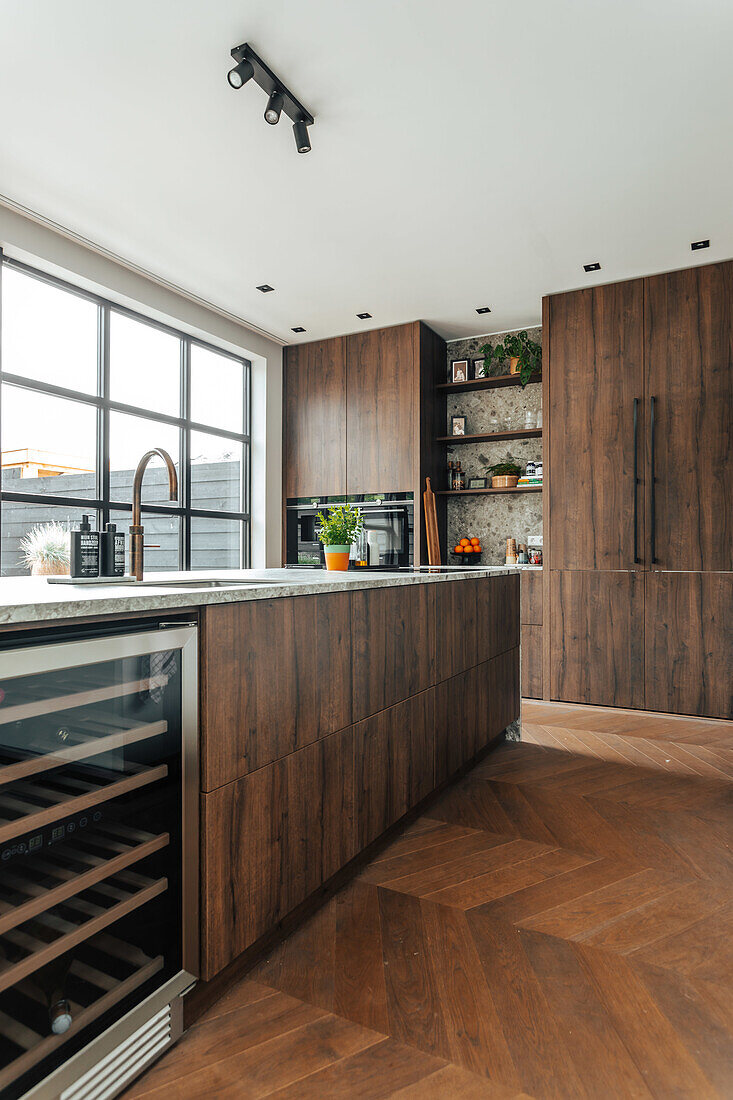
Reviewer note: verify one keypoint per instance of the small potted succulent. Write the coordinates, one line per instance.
(338, 532)
(45, 550)
(504, 475)
(524, 355)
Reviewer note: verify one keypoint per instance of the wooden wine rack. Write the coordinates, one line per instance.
(53, 932)
(27, 806)
(94, 986)
(71, 866)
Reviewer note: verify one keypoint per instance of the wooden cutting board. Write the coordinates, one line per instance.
(431, 524)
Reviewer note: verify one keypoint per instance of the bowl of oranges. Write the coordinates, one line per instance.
(468, 551)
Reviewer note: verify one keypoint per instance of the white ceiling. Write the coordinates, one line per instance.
(464, 153)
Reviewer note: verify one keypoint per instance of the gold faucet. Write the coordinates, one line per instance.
(137, 531)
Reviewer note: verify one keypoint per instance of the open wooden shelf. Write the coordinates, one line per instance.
(494, 383)
(102, 974)
(527, 433)
(474, 492)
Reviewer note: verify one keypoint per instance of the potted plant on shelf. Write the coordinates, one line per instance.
(524, 355)
(504, 475)
(45, 549)
(338, 532)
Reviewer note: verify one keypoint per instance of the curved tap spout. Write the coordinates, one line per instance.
(136, 528)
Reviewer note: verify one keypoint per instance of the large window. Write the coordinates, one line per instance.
(87, 387)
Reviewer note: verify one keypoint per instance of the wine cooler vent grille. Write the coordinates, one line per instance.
(110, 1075)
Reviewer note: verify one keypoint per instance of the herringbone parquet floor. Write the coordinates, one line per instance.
(559, 923)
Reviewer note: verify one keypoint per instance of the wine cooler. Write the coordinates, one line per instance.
(98, 857)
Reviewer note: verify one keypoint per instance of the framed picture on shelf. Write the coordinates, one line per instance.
(477, 482)
(458, 425)
(479, 368)
(459, 370)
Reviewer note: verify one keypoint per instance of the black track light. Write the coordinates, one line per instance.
(241, 73)
(302, 141)
(273, 108)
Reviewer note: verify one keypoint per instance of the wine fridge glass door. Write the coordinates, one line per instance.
(98, 839)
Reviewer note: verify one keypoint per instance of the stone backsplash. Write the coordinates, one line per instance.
(493, 519)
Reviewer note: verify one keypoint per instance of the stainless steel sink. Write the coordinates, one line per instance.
(200, 584)
(183, 582)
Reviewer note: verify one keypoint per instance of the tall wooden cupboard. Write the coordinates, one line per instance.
(639, 538)
(360, 416)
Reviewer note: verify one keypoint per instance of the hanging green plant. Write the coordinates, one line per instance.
(524, 354)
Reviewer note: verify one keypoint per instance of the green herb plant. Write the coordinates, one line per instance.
(516, 345)
(46, 544)
(504, 469)
(341, 528)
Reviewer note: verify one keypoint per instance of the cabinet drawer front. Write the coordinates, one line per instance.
(475, 620)
(532, 590)
(276, 675)
(532, 662)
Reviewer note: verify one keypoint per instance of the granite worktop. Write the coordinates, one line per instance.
(34, 599)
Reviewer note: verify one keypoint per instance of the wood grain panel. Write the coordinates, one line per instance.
(531, 662)
(532, 590)
(382, 413)
(596, 349)
(689, 370)
(475, 620)
(393, 640)
(269, 840)
(598, 638)
(315, 418)
(689, 643)
(394, 763)
(275, 675)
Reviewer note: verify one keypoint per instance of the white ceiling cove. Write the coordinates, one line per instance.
(470, 153)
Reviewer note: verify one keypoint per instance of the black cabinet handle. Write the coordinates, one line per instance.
(637, 559)
(653, 480)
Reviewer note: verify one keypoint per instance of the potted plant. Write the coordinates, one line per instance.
(337, 533)
(524, 355)
(504, 475)
(45, 549)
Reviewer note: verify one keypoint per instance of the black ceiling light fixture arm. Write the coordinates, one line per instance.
(280, 98)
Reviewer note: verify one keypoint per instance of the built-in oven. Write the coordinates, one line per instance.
(386, 540)
(98, 857)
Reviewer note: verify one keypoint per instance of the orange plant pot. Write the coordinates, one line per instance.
(514, 365)
(337, 557)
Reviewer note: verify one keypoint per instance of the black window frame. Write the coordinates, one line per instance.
(102, 503)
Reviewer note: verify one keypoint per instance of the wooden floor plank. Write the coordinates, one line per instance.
(360, 991)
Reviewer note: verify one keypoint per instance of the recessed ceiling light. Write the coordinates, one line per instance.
(265, 288)
(363, 316)
(298, 329)
(483, 309)
(696, 245)
(591, 267)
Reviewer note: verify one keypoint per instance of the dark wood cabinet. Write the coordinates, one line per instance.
(532, 593)
(531, 662)
(275, 675)
(393, 640)
(383, 410)
(474, 621)
(689, 643)
(597, 637)
(596, 346)
(394, 763)
(689, 373)
(271, 839)
(314, 435)
(360, 416)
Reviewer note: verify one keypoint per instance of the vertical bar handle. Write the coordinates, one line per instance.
(653, 481)
(637, 559)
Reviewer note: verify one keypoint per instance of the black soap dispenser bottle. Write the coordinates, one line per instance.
(84, 550)
(112, 552)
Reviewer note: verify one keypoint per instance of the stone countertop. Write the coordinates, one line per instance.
(33, 599)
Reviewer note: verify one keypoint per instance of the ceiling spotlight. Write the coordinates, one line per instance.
(363, 316)
(273, 108)
(483, 309)
(302, 141)
(280, 100)
(592, 267)
(298, 329)
(241, 73)
(697, 245)
(265, 288)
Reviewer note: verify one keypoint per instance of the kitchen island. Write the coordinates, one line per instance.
(330, 705)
